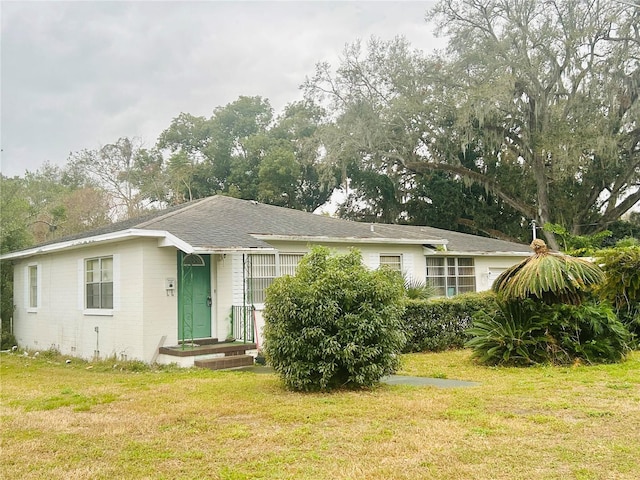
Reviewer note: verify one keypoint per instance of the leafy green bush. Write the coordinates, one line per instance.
(590, 331)
(548, 314)
(7, 340)
(416, 289)
(334, 324)
(621, 284)
(530, 332)
(513, 335)
(441, 323)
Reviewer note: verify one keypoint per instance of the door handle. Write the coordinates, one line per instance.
(209, 302)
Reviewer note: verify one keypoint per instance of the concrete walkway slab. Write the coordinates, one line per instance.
(425, 381)
(390, 380)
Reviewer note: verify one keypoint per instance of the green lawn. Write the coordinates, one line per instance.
(89, 421)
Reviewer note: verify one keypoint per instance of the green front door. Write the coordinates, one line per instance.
(194, 296)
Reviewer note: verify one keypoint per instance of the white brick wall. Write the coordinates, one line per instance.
(145, 314)
(62, 322)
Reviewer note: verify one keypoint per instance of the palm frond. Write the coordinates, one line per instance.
(551, 277)
(417, 289)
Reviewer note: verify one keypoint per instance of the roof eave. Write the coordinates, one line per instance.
(472, 253)
(165, 239)
(229, 250)
(360, 240)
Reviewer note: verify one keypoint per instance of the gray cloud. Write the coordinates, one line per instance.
(79, 75)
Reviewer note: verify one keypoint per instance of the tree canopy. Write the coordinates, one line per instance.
(530, 114)
(536, 101)
(244, 152)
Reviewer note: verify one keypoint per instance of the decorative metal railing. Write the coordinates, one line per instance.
(185, 300)
(242, 323)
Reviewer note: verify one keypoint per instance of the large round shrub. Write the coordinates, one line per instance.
(334, 324)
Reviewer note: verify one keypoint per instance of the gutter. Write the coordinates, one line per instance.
(428, 252)
(327, 239)
(229, 250)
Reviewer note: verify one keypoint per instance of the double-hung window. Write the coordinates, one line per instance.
(394, 262)
(33, 287)
(99, 283)
(264, 268)
(450, 276)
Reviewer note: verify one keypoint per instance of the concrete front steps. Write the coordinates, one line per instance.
(222, 363)
(209, 353)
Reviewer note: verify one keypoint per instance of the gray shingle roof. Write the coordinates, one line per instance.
(221, 222)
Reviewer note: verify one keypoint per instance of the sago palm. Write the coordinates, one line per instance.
(550, 277)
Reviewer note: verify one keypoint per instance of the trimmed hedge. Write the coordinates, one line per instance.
(441, 323)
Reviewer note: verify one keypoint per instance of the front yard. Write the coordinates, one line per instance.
(83, 420)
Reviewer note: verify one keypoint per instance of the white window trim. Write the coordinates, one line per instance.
(457, 275)
(27, 287)
(278, 273)
(399, 255)
(99, 312)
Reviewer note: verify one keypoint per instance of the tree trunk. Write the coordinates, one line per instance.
(543, 214)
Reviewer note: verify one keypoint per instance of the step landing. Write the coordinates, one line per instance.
(196, 349)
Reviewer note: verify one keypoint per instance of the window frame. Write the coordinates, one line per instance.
(33, 291)
(392, 265)
(449, 279)
(104, 307)
(264, 281)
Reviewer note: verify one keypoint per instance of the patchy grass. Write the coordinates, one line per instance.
(82, 420)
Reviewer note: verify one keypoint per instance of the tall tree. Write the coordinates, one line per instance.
(220, 154)
(235, 151)
(44, 191)
(537, 101)
(62, 201)
(242, 151)
(556, 84)
(115, 168)
(297, 130)
(185, 175)
(388, 110)
(15, 214)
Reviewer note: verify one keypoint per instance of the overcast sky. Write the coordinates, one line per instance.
(79, 75)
